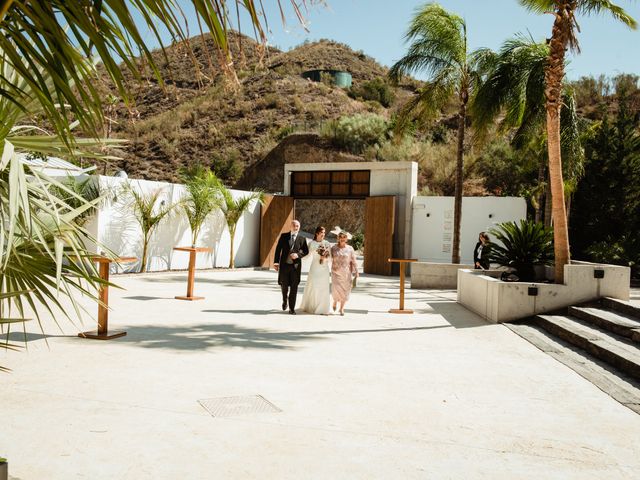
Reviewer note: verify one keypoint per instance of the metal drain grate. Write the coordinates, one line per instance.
(232, 406)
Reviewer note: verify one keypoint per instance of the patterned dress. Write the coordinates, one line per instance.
(343, 265)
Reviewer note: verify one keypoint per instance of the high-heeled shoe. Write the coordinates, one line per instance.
(335, 305)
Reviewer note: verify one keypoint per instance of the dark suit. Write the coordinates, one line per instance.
(289, 270)
(481, 256)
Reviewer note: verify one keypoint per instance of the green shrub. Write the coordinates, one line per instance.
(522, 246)
(377, 90)
(623, 251)
(228, 167)
(357, 241)
(284, 132)
(356, 133)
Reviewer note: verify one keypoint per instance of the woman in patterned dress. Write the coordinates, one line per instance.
(343, 266)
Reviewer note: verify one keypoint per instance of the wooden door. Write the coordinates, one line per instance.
(276, 216)
(379, 221)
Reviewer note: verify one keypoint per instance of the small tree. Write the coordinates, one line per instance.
(149, 215)
(203, 197)
(233, 209)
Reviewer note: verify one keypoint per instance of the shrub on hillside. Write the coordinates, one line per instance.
(228, 167)
(377, 90)
(408, 149)
(357, 132)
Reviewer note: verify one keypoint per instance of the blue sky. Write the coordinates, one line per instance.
(377, 28)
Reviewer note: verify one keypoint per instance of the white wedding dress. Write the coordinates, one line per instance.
(317, 291)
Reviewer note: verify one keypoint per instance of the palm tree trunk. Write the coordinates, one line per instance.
(539, 207)
(145, 246)
(232, 234)
(457, 202)
(553, 77)
(547, 204)
(194, 237)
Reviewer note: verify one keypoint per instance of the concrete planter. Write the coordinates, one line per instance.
(4, 470)
(498, 301)
(436, 275)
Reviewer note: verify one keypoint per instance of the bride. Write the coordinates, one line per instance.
(316, 298)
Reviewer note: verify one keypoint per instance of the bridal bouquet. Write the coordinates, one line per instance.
(323, 250)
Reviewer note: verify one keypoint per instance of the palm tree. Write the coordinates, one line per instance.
(513, 91)
(42, 244)
(563, 36)
(438, 46)
(149, 213)
(233, 209)
(203, 197)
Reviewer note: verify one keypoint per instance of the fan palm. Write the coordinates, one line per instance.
(514, 90)
(203, 194)
(438, 46)
(564, 36)
(149, 213)
(233, 209)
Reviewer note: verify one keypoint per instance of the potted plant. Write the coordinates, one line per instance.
(521, 247)
(203, 198)
(4, 469)
(149, 211)
(233, 208)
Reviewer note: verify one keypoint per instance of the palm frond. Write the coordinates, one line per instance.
(597, 7)
(513, 87)
(58, 35)
(203, 197)
(437, 41)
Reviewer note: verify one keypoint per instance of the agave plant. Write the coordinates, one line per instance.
(522, 246)
(149, 213)
(233, 209)
(203, 197)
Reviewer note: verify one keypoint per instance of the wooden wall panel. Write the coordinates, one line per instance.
(378, 234)
(276, 216)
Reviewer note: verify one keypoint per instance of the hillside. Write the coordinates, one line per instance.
(199, 116)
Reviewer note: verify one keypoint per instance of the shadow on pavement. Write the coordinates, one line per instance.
(207, 336)
(22, 337)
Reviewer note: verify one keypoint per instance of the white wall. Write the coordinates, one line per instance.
(115, 227)
(433, 224)
(498, 301)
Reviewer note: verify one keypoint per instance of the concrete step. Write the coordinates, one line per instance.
(612, 381)
(616, 351)
(621, 306)
(613, 321)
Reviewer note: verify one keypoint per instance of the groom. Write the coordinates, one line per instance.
(288, 263)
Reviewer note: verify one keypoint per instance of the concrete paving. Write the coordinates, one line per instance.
(435, 395)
